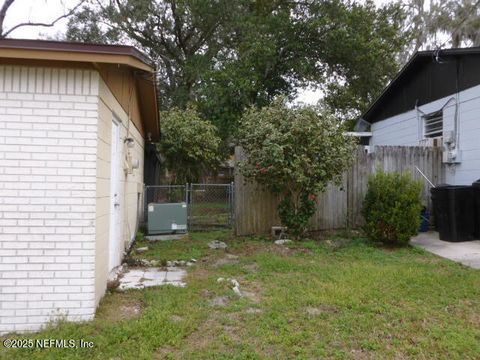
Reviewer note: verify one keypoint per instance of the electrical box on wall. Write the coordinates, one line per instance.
(453, 156)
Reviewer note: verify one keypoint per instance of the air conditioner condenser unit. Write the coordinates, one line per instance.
(167, 218)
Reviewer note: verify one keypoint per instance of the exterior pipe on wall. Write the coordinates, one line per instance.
(425, 176)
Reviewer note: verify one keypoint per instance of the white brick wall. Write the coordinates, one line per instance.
(48, 140)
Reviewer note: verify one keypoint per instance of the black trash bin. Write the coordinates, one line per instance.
(476, 204)
(454, 211)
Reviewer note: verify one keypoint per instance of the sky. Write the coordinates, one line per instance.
(48, 10)
(37, 11)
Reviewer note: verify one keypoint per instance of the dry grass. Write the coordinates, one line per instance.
(343, 299)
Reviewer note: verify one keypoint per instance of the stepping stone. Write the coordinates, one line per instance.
(283, 242)
(217, 244)
(139, 279)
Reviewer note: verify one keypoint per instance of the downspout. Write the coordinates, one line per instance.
(127, 155)
(456, 121)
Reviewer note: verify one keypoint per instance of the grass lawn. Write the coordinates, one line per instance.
(336, 299)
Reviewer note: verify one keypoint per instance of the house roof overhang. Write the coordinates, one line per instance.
(79, 54)
(408, 71)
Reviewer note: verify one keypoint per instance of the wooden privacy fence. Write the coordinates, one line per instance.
(339, 206)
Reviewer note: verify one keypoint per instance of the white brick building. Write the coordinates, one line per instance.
(73, 123)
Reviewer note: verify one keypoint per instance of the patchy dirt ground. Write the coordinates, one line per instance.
(312, 299)
(121, 307)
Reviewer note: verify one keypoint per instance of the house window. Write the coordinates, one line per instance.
(433, 125)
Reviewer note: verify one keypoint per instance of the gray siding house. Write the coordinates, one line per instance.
(433, 101)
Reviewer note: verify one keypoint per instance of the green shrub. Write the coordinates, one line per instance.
(296, 218)
(392, 208)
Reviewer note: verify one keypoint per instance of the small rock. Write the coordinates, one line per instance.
(216, 244)
(235, 287)
(283, 242)
(145, 262)
(193, 260)
(220, 279)
(232, 257)
(181, 263)
(170, 263)
(141, 250)
(189, 263)
(155, 263)
(237, 291)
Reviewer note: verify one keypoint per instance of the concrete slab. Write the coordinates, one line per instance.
(165, 237)
(466, 253)
(155, 275)
(175, 275)
(141, 278)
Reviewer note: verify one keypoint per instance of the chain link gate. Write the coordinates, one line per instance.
(209, 206)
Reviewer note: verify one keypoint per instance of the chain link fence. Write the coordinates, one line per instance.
(209, 206)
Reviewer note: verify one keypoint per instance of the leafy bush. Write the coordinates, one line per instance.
(392, 208)
(296, 218)
(294, 152)
(190, 145)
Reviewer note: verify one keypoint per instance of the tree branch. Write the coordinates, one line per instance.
(3, 12)
(30, 23)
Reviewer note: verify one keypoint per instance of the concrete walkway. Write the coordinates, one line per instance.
(466, 253)
(139, 278)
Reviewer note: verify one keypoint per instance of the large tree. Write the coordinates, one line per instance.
(226, 55)
(362, 44)
(434, 24)
(181, 36)
(189, 146)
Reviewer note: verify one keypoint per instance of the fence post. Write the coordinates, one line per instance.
(232, 204)
(188, 201)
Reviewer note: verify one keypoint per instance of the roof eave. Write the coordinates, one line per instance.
(408, 65)
(74, 47)
(380, 97)
(78, 56)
